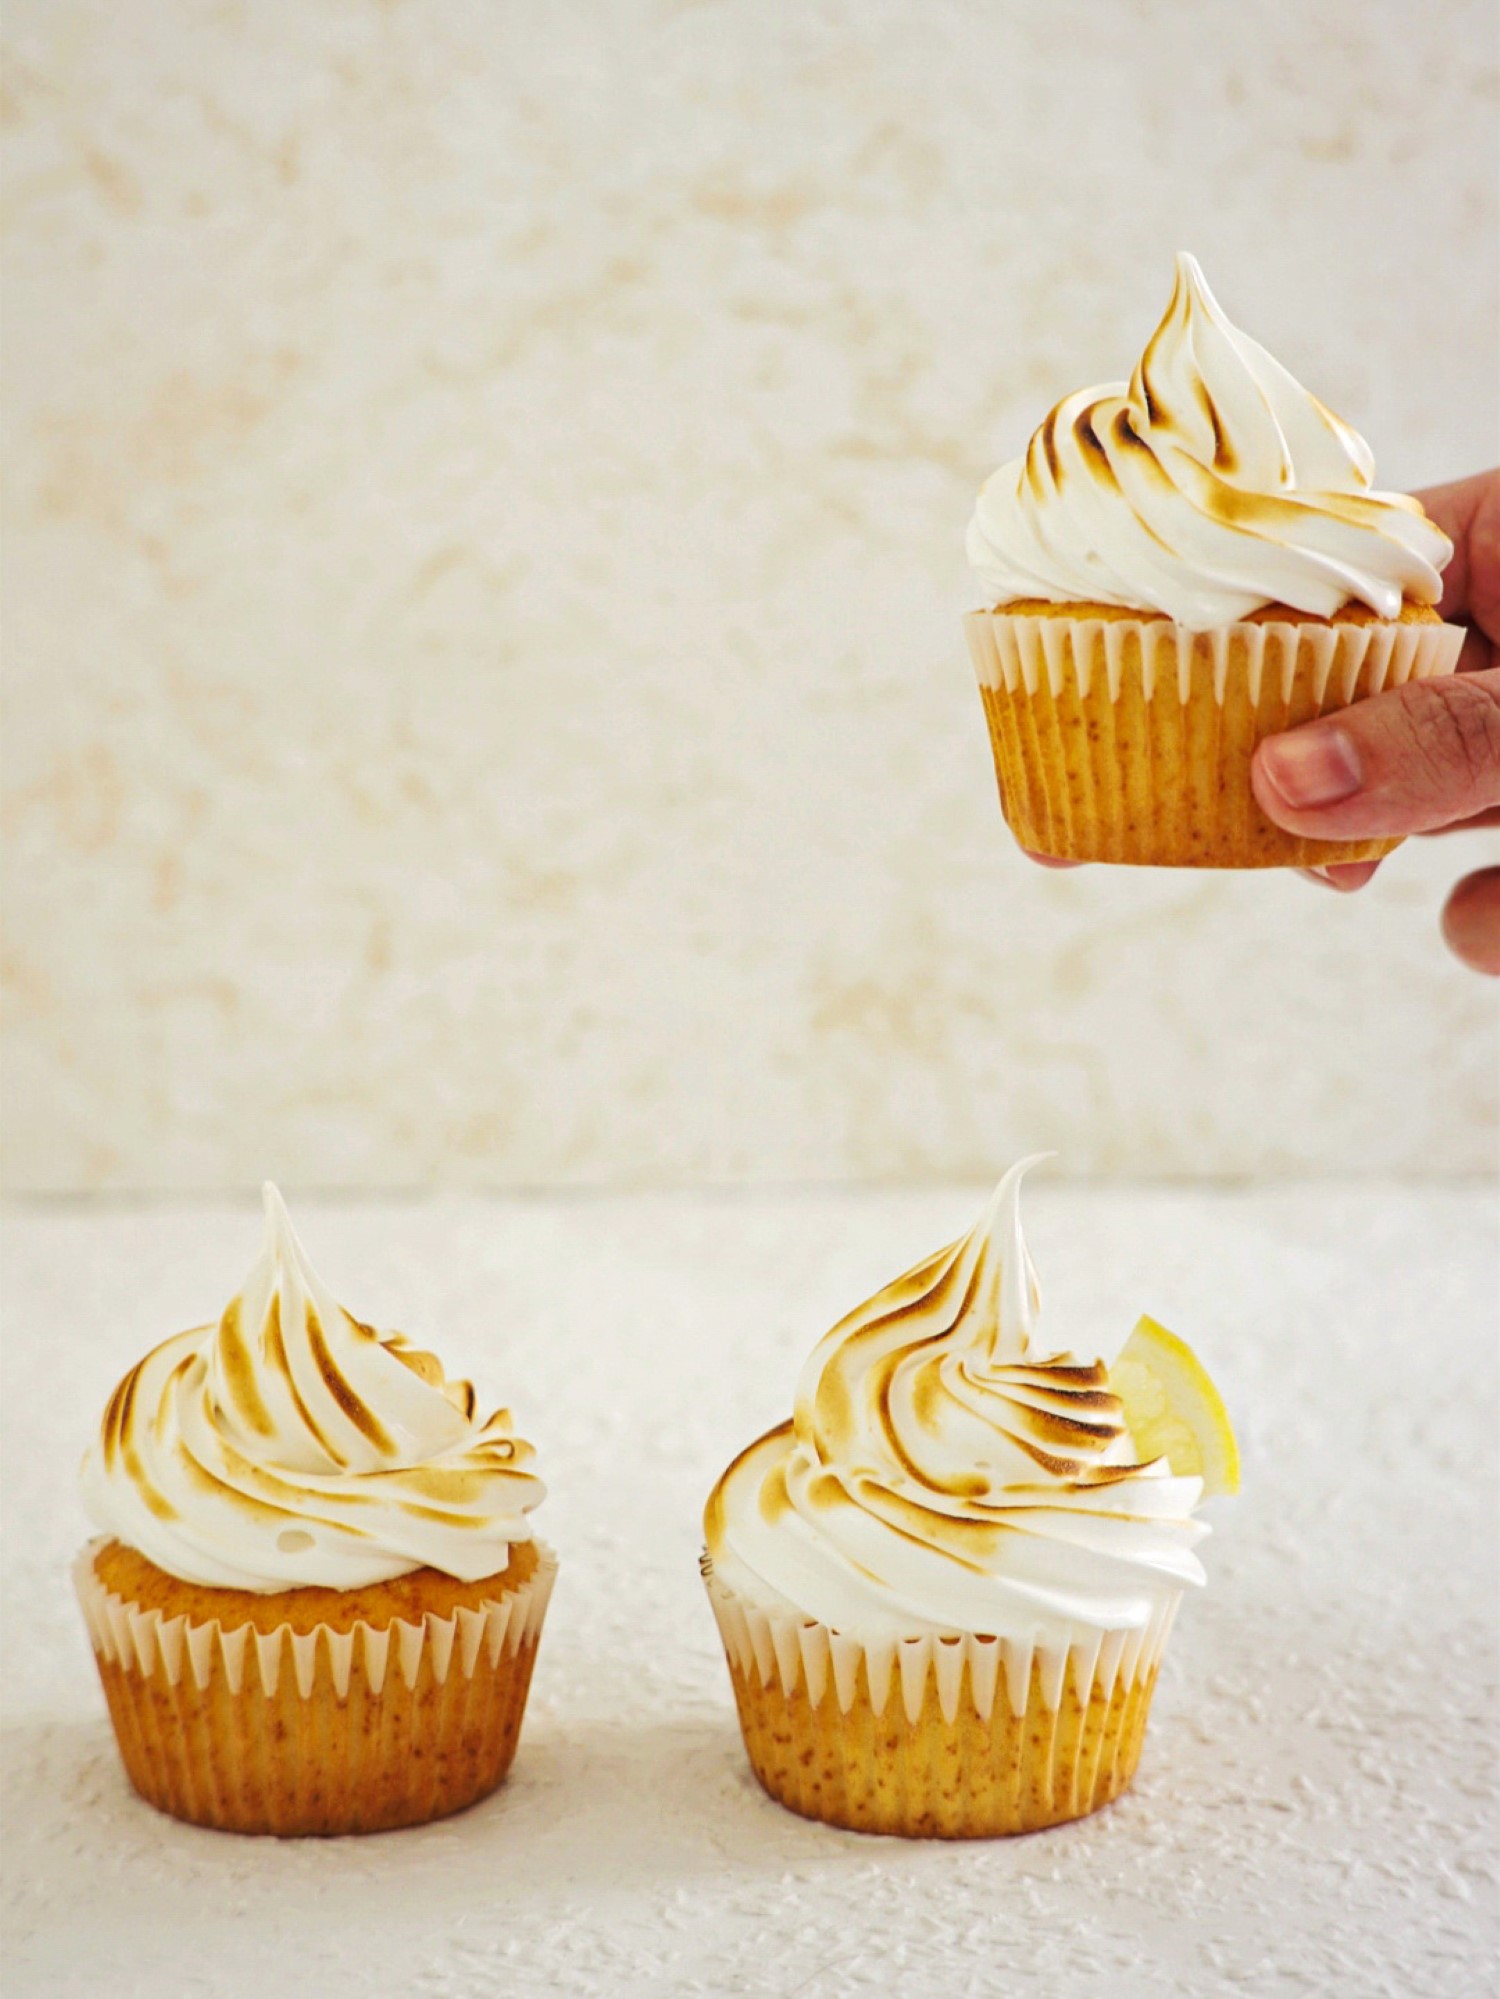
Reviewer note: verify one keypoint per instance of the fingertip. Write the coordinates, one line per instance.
(1471, 922)
(1349, 876)
(1343, 877)
(1049, 860)
(1306, 769)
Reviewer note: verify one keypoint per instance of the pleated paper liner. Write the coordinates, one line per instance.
(951, 1738)
(1130, 739)
(323, 1731)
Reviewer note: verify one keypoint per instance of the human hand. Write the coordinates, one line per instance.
(1424, 758)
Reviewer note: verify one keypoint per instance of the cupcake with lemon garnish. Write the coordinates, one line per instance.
(945, 1586)
(1174, 569)
(316, 1604)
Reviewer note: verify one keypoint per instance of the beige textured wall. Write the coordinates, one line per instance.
(485, 489)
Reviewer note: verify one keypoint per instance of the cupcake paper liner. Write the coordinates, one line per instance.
(1131, 739)
(962, 1737)
(323, 1731)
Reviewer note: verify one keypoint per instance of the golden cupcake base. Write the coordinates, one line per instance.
(1118, 738)
(289, 1724)
(968, 1737)
(934, 1778)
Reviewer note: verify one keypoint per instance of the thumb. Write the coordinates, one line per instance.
(1407, 761)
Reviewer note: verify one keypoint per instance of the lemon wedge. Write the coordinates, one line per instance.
(1174, 1410)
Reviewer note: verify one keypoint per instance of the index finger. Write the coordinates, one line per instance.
(1468, 510)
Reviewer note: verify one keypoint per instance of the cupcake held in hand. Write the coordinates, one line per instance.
(317, 1602)
(944, 1587)
(1179, 567)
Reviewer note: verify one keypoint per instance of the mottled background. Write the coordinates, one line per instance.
(484, 502)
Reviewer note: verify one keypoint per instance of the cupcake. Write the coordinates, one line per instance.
(317, 1598)
(1177, 568)
(944, 1587)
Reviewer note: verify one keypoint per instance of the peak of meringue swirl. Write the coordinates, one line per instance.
(947, 1468)
(1209, 485)
(291, 1444)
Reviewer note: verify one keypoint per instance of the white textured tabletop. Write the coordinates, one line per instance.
(1315, 1812)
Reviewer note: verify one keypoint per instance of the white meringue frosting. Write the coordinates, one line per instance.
(1210, 485)
(290, 1444)
(948, 1470)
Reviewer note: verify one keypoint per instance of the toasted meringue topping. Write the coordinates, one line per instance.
(947, 1469)
(1208, 486)
(290, 1444)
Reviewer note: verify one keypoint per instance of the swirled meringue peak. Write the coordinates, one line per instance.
(290, 1444)
(1207, 486)
(949, 1469)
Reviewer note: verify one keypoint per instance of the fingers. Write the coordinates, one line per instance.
(1345, 876)
(1477, 652)
(1469, 511)
(1049, 860)
(1477, 824)
(1407, 761)
(1471, 921)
